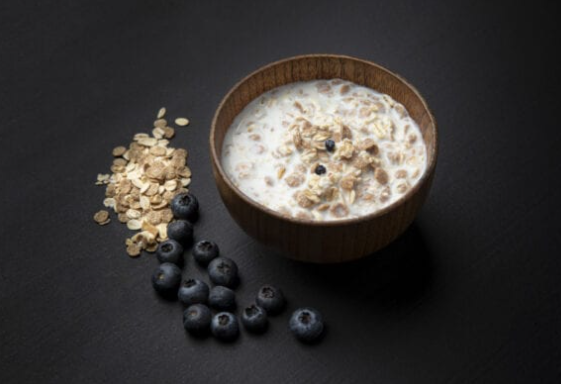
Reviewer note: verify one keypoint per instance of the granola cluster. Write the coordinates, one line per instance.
(324, 150)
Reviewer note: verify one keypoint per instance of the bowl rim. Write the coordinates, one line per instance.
(429, 171)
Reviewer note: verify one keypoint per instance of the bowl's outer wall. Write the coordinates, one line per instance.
(304, 240)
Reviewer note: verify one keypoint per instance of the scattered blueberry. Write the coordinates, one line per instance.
(271, 299)
(166, 279)
(223, 271)
(224, 326)
(254, 319)
(222, 298)
(196, 319)
(181, 231)
(205, 251)
(185, 206)
(193, 291)
(306, 324)
(329, 145)
(170, 251)
(320, 170)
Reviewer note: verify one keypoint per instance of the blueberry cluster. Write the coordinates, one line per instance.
(201, 300)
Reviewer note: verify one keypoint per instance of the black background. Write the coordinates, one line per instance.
(470, 294)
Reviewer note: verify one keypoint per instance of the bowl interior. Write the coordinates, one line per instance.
(313, 67)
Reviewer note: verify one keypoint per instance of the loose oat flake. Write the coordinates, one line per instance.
(133, 250)
(181, 121)
(119, 151)
(102, 217)
(161, 112)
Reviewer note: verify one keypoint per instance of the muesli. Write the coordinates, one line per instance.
(324, 150)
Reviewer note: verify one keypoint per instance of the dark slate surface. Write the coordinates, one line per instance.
(471, 292)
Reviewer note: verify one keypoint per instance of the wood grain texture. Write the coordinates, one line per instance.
(313, 241)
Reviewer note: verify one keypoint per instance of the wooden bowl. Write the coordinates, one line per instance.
(313, 241)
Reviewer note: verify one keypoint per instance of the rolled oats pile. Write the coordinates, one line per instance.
(145, 177)
(324, 150)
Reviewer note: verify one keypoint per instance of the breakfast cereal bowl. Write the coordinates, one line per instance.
(326, 184)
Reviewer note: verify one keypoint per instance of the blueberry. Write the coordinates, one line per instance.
(170, 251)
(222, 298)
(185, 206)
(271, 299)
(193, 291)
(224, 326)
(329, 145)
(204, 251)
(306, 324)
(196, 319)
(320, 170)
(166, 279)
(223, 271)
(181, 231)
(254, 319)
